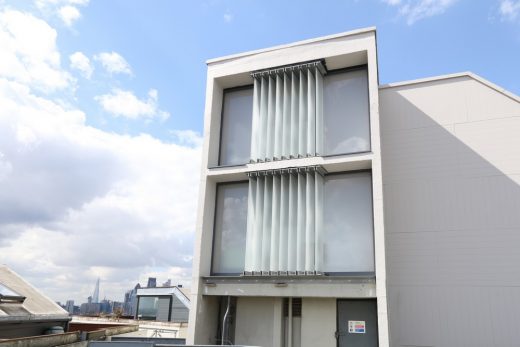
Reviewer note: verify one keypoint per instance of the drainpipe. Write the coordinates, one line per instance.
(289, 324)
(225, 322)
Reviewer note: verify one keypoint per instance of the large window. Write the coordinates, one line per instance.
(147, 309)
(235, 142)
(346, 112)
(300, 223)
(230, 228)
(348, 223)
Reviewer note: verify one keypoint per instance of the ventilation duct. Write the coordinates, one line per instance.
(288, 112)
(284, 222)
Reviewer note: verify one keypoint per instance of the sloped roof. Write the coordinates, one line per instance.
(32, 304)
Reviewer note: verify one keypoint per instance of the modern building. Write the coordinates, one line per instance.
(152, 282)
(25, 311)
(130, 301)
(163, 304)
(69, 307)
(334, 211)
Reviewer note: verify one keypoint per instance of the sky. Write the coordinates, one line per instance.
(101, 115)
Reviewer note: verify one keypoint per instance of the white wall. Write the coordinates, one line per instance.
(257, 319)
(451, 175)
(318, 322)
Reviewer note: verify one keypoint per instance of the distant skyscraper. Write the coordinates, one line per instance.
(167, 283)
(152, 282)
(69, 306)
(95, 297)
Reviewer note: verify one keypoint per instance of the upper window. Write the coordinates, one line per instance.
(235, 141)
(346, 113)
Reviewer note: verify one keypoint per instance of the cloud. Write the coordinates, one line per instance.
(69, 14)
(415, 10)
(187, 137)
(228, 17)
(77, 202)
(509, 9)
(29, 53)
(125, 104)
(81, 62)
(113, 63)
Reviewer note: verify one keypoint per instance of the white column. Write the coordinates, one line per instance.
(261, 150)
(319, 113)
(250, 234)
(302, 119)
(275, 226)
(311, 114)
(286, 135)
(295, 113)
(318, 220)
(284, 222)
(271, 109)
(293, 218)
(266, 235)
(278, 119)
(300, 228)
(309, 221)
(259, 208)
(256, 119)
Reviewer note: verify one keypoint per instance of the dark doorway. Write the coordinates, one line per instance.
(357, 323)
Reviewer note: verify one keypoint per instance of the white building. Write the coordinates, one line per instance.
(294, 246)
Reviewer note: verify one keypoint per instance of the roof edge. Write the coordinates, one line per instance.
(452, 76)
(293, 44)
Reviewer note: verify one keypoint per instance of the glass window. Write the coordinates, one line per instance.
(345, 112)
(229, 242)
(347, 217)
(235, 140)
(147, 309)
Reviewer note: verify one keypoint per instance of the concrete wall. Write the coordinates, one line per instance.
(258, 322)
(318, 322)
(451, 175)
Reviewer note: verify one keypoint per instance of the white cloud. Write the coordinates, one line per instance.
(77, 202)
(509, 9)
(69, 14)
(125, 104)
(29, 52)
(415, 10)
(81, 62)
(113, 63)
(228, 17)
(187, 137)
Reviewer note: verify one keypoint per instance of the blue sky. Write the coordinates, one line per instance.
(102, 111)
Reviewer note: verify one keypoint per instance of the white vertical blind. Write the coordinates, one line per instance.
(287, 112)
(284, 223)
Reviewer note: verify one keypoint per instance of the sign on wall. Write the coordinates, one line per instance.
(356, 326)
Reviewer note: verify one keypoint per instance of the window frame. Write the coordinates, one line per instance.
(346, 70)
(224, 92)
(211, 272)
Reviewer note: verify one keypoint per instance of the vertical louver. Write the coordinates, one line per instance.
(284, 222)
(288, 112)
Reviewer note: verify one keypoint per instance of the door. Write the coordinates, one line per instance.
(357, 323)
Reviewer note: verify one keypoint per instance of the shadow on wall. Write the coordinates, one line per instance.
(451, 177)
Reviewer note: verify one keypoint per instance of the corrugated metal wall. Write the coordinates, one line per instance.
(180, 312)
(451, 175)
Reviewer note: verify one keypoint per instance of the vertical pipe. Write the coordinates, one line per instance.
(286, 135)
(266, 236)
(291, 239)
(318, 233)
(319, 113)
(225, 323)
(271, 109)
(311, 114)
(275, 225)
(300, 234)
(295, 113)
(261, 150)
(284, 225)
(302, 119)
(259, 207)
(250, 233)
(256, 119)
(309, 222)
(290, 321)
(278, 119)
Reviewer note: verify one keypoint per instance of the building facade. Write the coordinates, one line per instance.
(162, 304)
(294, 246)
